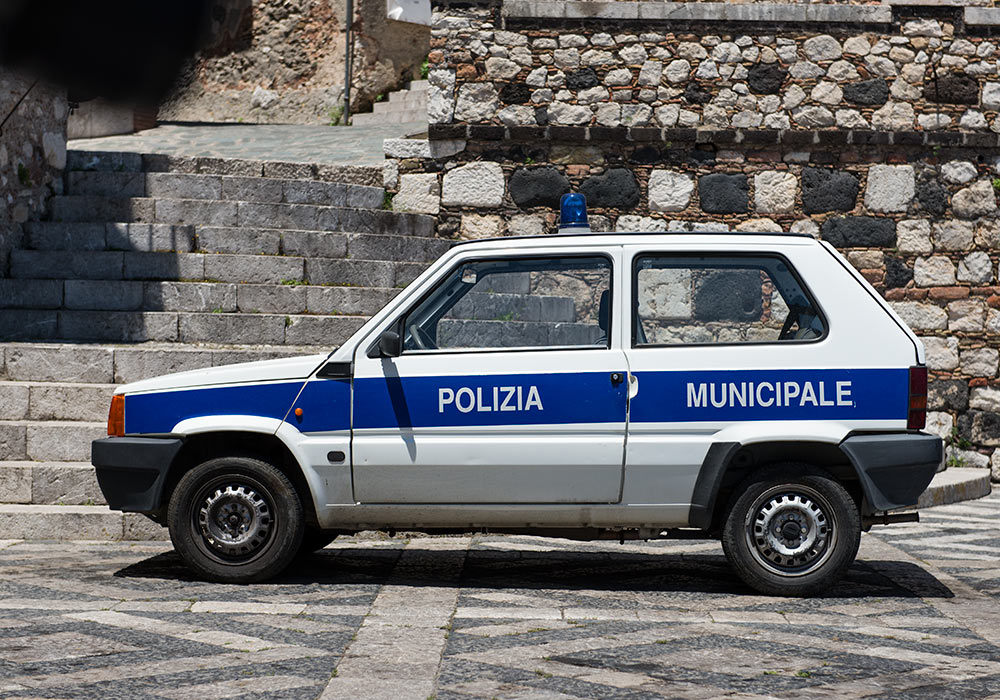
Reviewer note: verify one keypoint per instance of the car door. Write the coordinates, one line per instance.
(510, 387)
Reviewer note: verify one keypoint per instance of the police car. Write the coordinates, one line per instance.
(752, 388)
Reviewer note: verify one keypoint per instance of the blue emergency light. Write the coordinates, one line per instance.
(573, 213)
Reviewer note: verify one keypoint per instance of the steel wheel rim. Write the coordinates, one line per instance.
(791, 530)
(234, 518)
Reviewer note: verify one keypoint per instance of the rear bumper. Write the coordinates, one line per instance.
(131, 471)
(894, 469)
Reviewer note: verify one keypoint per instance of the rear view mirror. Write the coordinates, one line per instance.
(389, 344)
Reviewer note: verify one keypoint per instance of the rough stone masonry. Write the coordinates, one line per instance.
(874, 127)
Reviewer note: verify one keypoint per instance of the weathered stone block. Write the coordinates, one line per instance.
(314, 244)
(163, 266)
(952, 88)
(118, 326)
(774, 192)
(890, 188)
(983, 398)
(70, 402)
(60, 363)
(476, 102)
(723, 194)
(975, 268)
(134, 364)
(766, 79)
(859, 232)
(966, 315)
(15, 483)
(914, 236)
(937, 271)
(874, 92)
(321, 330)
(97, 294)
(897, 273)
(419, 192)
(941, 353)
(975, 201)
(980, 362)
(950, 394)
(931, 195)
(190, 296)
(921, 317)
(986, 428)
(669, 190)
(479, 184)
(236, 329)
(538, 187)
(13, 402)
(959, 172)
(953, 235)
(253, 269)
(615, 188)
(822, 48)
(65, 485)
(62, 443)
(894, 116)
(826, 190)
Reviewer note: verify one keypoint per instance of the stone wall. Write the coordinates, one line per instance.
(32, 155)
(282, 61)
(874, 127)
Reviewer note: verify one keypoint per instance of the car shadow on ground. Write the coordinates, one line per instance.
(555, 570)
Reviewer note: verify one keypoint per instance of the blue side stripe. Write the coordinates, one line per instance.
(720, 395)
(576, 397)
(161, 411)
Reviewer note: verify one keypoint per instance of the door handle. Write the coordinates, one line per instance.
(633, 386)
(617, 378)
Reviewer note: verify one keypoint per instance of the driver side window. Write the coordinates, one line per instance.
(514, 303)
(683, 300)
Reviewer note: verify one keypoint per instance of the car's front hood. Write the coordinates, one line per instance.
(264, 371)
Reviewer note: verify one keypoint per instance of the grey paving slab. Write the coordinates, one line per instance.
(355, 145)
(507, 617)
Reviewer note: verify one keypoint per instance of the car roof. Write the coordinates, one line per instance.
(764, 238)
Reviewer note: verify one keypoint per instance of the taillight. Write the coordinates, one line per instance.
(116, 416)
(916, 416)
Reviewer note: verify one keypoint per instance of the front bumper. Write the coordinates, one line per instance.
(131, 471)
(894, 469)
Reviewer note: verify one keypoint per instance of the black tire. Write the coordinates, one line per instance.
(791, 530)
(314, 540)
(235, 520)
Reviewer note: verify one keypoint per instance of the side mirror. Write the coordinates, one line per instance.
(389, 344)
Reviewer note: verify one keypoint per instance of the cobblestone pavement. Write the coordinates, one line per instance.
(354, 145)
(507, 617)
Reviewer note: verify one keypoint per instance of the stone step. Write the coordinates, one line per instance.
(95, 364)
(50, 483)
(98, 209)
(407, 97)
(54, 401)
(113, 161)
(223, 187)
(49, 441)
(178, 327)
(401, 104)
(419, 85)
(34, 522)
(407, 117)
(56, 235)
(252, 269)
(200, 297)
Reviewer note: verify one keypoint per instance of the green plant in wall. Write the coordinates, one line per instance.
(425, 69)
(336, 114)
(996, 184)
(387, 201)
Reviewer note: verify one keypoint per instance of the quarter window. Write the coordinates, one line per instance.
(683, 300)
(515, 303)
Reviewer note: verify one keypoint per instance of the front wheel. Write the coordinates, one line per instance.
(791, 530)
(235, 520)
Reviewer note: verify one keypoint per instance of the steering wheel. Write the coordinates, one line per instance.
(420, 337)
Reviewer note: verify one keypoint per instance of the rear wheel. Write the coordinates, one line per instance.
(791, 530)
(235, 520)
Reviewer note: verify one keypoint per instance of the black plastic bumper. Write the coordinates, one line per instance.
(131, 471)
(894, 469)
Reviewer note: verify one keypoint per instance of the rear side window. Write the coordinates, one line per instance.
(711, 300)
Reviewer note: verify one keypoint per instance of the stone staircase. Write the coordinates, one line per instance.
(403, 106)
(150, 265)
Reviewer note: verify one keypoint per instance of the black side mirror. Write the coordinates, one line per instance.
(389, 344)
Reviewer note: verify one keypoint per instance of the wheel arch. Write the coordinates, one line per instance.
(727, 464)
(203, 446)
